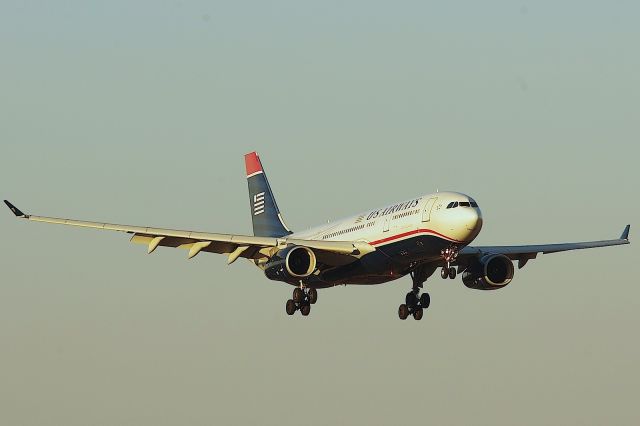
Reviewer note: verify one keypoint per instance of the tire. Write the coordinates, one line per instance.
(417, 314)
(291, 307)
(298, 295)
(425, 300)
(452, 273)
(444, 273)
(305, 309)
(403, 312)
(313, 295)
(411, 299)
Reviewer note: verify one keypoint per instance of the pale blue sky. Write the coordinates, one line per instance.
(140, 112)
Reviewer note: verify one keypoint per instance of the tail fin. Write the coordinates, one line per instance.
(267, 221)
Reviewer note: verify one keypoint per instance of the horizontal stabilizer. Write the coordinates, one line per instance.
(14, 209)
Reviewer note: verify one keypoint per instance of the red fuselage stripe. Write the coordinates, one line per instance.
(417, 231)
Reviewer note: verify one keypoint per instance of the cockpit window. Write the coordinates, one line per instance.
(454, 204)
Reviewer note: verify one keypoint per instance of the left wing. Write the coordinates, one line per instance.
(525, 253)
(247, 246)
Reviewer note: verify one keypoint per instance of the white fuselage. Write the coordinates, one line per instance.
(426, 214)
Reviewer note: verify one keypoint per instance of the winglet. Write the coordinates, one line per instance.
(625, 233)
(14, 209)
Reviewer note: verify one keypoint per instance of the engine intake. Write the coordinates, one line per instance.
(300, 262)
(291, 263)
(491, 272)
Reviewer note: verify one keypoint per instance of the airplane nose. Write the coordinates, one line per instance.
(464, 221)
(473, 221)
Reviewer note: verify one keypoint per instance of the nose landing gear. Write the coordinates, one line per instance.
(449, 272)
(449, 255)
(302, 299)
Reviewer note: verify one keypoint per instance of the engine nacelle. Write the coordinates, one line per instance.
(292, 263)
(491, 272)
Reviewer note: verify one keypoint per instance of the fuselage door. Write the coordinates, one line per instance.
(385, 227)
(426, 214)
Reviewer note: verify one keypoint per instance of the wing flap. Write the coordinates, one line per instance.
(214, 246)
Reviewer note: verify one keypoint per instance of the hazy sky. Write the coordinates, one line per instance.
(140, 112)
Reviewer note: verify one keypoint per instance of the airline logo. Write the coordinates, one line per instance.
(258, 203)
(395, 208)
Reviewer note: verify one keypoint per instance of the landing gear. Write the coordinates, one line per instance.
(417, 314)
(444, 272)
(291, 307)
(403, 312)
(449, 272)
(312, 295)
(411, 299)
(416, 303)
(305, 309)
(425, 300)
(449, 255)
(302, 300)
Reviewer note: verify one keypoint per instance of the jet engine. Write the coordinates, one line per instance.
(490, 272)
(292, 263)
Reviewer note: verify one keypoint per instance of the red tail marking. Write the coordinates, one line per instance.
(252, 163)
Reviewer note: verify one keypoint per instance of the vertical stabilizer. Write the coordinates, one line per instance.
(267, 221)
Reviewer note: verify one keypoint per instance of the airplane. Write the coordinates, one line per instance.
(415, 237)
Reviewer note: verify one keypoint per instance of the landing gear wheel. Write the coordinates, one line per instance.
(411, 299)
(444, 273)
(305, 309)
(313, 295)
(403, 312)
(452, 273)
(417, 314)
(298, 295)
(291, 307)
(425, 300)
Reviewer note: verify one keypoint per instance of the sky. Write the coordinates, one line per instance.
(140, 113)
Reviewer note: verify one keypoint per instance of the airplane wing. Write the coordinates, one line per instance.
(525, 253)
(235, 246)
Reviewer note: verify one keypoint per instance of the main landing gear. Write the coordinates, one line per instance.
(416, 303)
(302, 300)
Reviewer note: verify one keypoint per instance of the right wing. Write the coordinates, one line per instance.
(527, 252)
(247, 246)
